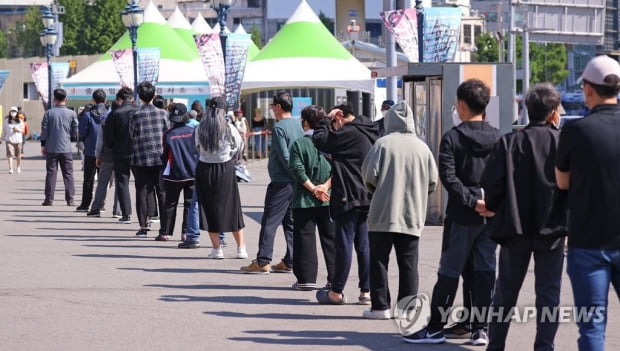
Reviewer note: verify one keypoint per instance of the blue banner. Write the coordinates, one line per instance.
(299, 103)
(236, 57)
(441, 33)
(60, 72)
(3, 76)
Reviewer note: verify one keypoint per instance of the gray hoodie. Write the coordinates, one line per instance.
(401, 172)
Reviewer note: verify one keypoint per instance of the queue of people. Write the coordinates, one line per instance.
(367, 190)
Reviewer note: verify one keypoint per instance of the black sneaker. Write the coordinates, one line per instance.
(457, 330)
(117, 215)
(141, 233)
(125, 220)
(82, 209)
(94, 213)
(47, 203)
(479, 338)
(423, 336)
(162, 238)
(189, 244)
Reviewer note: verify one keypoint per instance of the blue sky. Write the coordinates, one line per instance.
(285, 8)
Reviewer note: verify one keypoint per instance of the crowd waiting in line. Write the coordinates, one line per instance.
(365, 186)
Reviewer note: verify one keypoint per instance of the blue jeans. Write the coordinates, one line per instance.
(590, 273)
(193, 221)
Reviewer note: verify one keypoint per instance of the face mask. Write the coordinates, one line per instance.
(455, 118)
(13, 113)
(383, 113)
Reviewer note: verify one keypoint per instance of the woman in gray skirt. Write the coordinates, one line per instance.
(218, 194)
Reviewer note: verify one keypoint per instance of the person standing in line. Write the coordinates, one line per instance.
(463, 153)
(311, 171)
(146, 128)
(59, 127)
(22, 117)
(117, 138)
(279, 191)
(259, 146)
(13, 135)
(89, 130)
(216, 185)
(105, 164)
(587, 165)
(519, 184)
(386, 105)
(180, 157)
(347, 139)
(242, 126)
(400, 172)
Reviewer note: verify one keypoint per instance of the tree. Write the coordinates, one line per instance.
(488, 48)
(4, 46)
(257, 36)
(326, 22)
(548, 63)
(104, 25)
(27, 33)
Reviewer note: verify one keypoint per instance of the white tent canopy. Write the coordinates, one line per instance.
(304, 54)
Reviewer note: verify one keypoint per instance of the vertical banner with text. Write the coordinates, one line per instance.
(212, 57)
(237, 46)
(60, 71)
(148, 65)
(441, 33)
(4, 74)
(123, 62)
(403, 24)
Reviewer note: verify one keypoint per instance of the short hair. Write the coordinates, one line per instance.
(541, 99)
(475, 94)
(313, 115)
(159, 102)
(146, 91)
(606, 91)
(60, 94)
(346, 109)
(124, 94)
(284, 99)
(99, 96)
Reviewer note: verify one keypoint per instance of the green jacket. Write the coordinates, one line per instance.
(284, 133)
(306, 162)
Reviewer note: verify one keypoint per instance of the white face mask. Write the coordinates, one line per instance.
(13, 113)
(384, 112)
(455, 118)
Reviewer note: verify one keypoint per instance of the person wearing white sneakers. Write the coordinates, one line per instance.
(218, 143)
(12, 134)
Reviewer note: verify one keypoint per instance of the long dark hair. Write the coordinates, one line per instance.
(213, 128)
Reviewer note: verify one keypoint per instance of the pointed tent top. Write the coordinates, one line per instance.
(304, 35)
(200, 25)
(177, 20)
(152, 14)
(304, 13)
(240, 29)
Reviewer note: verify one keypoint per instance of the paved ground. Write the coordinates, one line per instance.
(75, 283)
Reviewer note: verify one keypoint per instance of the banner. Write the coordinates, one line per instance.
(403, 24)
(237, 46)
(3, 77)
(441, 33)
(299, 103)
(148, 65)
(39, 77)
(60, 72)
(212, 57)
(123, 62)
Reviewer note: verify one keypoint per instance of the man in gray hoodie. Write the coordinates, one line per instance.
(400, 172)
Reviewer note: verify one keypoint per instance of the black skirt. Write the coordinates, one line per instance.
(218, 194)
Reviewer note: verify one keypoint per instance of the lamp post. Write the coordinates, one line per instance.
(132, 17)
(222, 7)
(48, 38)
(419, 9)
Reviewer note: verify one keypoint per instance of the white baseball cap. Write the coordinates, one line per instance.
(600, 68)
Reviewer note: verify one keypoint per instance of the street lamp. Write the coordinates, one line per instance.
(419, 8)
(48, 38)
(222, 7)
(132, 17)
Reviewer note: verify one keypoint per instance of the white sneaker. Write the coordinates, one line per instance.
(19, 169)
(216, 254)
(376, 314)
(241, 252)
(10, 170)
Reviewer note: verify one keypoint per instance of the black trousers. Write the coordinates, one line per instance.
(406, 247)
(122, 171)
(90, 169)
(352, 231)
(277, 211)
(305, 261)
(514, 259)
(173, 190)
(146, 179)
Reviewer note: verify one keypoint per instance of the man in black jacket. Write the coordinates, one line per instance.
(117, 138)
(463, 153)
(519, 181)
(347, 139)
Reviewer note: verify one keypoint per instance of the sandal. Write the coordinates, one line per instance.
(322, 296)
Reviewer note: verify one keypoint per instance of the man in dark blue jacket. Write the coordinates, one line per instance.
(89, 129)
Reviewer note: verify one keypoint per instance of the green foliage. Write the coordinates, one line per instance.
(4, 46)
(488, 48)
(257, 36)
(548, 63)
(326, 22)
(26, 34)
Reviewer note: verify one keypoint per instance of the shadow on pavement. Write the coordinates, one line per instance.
(296, 316)
(220, 286)
(248, 300)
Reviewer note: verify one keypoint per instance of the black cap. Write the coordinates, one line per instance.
(178, 112)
